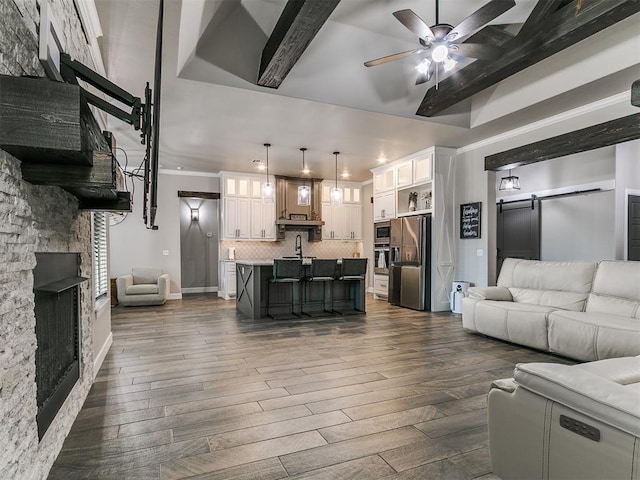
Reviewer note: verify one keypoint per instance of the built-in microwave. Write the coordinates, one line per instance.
(381, 232)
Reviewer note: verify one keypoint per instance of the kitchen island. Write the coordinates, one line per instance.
(256, 296)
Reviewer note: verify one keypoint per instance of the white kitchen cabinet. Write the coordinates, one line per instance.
(333, 218)
(380, 286)
(342, 223)
(236, 218)
(384, 179)
(384, 206)
(351, 192)
(227, 280)
(236, 186)
(404, 174)
(422, 169)
(352, 217)
(263, 223)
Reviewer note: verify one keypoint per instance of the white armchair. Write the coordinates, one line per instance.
(145, 286)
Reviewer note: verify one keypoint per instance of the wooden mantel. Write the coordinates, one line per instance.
(49, 127)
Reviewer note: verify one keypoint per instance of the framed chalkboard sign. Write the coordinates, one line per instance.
(470, 220)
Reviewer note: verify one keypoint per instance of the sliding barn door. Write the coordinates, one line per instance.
(633, 228)
(518, 231)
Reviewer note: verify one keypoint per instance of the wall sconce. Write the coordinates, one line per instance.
(509, 183)
(195, 214)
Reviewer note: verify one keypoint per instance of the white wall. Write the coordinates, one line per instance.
(627, 182)
(600, 166)
(133, 245)
(578, 227)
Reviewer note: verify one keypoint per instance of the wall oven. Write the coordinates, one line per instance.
(382, 233)
(381, 258)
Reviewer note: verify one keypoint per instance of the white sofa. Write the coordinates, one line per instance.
(145, 286)
(556, 421)
(582, 310)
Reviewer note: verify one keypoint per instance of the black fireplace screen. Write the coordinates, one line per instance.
(56, 285)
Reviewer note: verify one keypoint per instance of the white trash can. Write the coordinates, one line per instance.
(459, 290)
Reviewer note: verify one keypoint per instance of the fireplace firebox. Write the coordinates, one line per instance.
(56, 283)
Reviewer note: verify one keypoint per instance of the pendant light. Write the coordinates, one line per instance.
(304, 190)
(509, 183)
(336, 193)
(268, 188)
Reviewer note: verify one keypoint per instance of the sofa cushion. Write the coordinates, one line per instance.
(563, 285)
(514, 322)
(593, 336)
(142, 289)
(616, 289)
(603, 390)
(145, 275)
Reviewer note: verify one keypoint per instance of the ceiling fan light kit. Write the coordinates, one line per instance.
(443, 43)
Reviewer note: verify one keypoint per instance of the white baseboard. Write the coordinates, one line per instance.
(200, 290)
(174, 296)
(97, 362)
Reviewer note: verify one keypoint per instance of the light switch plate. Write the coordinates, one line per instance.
(165, 252)
(479, 252)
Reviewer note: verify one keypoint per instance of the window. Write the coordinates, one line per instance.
(101, 278)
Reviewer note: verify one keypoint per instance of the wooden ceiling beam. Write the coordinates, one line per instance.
(561, 30)
(543, 10)
(620, 130)
(298, 24)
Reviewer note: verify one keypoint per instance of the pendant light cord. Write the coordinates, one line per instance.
(336, 154)
(267, 145)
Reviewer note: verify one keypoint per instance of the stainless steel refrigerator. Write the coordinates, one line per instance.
(410, 262)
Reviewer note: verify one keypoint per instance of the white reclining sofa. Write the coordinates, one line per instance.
(554, 421)
(582, 310)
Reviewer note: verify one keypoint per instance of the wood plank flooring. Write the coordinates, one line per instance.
(193, 389)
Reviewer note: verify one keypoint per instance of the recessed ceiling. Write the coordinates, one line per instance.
(214, 117)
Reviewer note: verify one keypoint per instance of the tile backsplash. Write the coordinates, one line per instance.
(261, 250)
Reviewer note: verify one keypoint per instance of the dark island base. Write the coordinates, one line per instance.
(254, 292)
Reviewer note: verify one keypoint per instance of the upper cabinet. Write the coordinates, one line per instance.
(384, 179)
(404, 174)
(244, 216)
(351, 191)
(422, 168)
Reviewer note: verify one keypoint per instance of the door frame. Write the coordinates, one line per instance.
(627, 192)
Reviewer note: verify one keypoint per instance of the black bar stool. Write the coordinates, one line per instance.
(285, 271)
(352, 270)
(322, 270)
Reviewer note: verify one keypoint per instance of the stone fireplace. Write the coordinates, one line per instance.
(56, 283)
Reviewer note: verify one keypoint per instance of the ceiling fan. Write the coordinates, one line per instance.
(442, 44)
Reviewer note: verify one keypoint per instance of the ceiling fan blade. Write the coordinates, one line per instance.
(425, 77)
(391, 58)
(477, 50)
(414, 23)
(479, 18)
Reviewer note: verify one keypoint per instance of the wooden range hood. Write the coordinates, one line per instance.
(292, 216)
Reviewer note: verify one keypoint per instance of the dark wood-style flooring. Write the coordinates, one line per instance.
(194, 390)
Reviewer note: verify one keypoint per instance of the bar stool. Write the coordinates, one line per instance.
(285, 271)
(352, 270)
(322, 270)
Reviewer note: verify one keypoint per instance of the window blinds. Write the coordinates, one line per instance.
(101, 278)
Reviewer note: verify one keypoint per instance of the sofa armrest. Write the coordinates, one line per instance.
(490, 293)
(122, 283)
(164, 286)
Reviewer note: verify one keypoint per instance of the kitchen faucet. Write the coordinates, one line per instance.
(299, 246)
